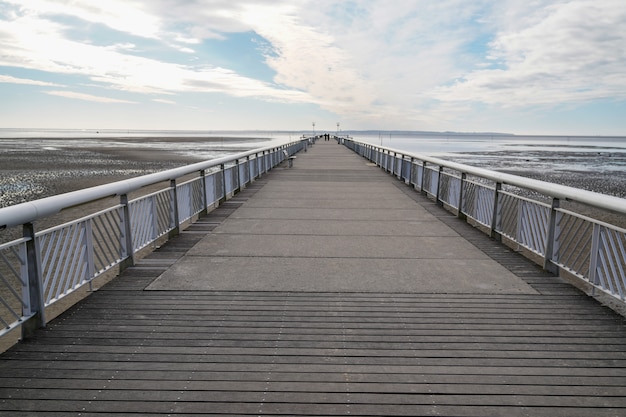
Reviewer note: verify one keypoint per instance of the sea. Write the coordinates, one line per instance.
(33, 162)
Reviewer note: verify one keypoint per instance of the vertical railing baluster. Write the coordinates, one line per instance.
(23, 257)
(548, 265)
(238, 187)
(595, 251)
(556, 248)
(154, 226)
(249, 170)
(223, 178)
(494, 212)
(423, 185)
(438, 192)
(35, 283)
(128, 251)
(460, 214)
(91, 267)
(174, 209)
(521, 209)
(205, 197)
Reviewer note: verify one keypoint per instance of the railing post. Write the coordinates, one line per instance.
(422, 190)
(174, 209)
(494, 213)
(237, 187)
(91, 265)
(128, 251)
(460, 214)
(249, 165)
(35, 283)
(593, 261)
(223, 172)
(548, 265)
(205, 197)
(438, 196)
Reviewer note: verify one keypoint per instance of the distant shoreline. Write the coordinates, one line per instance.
(43, 133)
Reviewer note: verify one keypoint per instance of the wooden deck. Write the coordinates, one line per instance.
(128, 351)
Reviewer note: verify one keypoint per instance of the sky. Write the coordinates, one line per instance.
(513, 66)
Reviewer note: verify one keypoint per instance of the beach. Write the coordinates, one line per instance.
(39, 167)
(592, 170)
(34, 168)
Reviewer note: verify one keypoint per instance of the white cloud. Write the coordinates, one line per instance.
(160, 100)
(36, 43)
(406, 64)
(126, 16)
(570, 52)
(369, 61)
(87, 97)
(13, 80)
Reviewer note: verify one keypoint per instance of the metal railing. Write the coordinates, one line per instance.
(525, 211)
(42, 267)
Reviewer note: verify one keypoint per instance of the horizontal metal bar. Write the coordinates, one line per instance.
(526, 199)
(592, 220)
(14, 243)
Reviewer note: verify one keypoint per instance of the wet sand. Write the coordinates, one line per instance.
(601, 172)
(32, 173)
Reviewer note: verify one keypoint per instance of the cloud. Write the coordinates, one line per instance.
(87, 97)
(13, 80)
(570, 52)
(124, 16)
(160, 100)
(34, 42)
(409, 64)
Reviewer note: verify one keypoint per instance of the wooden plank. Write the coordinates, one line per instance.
(329, 409)
(24, 388)
(267, 394)
(399, 353)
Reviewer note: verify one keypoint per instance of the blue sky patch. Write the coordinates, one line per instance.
(243, 53)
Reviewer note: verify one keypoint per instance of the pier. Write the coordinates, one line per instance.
(326, 288)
